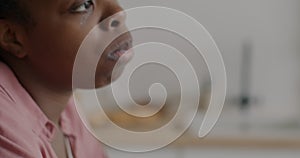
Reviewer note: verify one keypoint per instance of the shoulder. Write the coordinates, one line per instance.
(16, 135)
(12, 111)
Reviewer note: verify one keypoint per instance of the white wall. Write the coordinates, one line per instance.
(273, 26)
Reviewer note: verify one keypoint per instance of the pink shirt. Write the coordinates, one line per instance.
(26, 132)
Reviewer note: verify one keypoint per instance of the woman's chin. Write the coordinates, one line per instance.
(105, 81)
(112, 71)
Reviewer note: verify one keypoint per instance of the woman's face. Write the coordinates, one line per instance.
(59, 29)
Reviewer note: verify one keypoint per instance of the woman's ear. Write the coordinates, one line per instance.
(11, 39)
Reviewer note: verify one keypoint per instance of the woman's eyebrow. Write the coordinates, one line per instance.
(65, 4)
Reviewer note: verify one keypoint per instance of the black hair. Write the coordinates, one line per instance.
(14, 10)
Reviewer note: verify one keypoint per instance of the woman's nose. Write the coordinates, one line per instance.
(116, 21)
(113, 18)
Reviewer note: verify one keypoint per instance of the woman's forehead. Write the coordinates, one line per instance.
(43, 5)
(50, 2)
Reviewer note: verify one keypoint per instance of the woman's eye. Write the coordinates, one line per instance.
(84, 7)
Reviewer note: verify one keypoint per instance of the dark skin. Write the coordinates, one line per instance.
(42, 55)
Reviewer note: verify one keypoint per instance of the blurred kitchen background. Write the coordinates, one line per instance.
(260, 44)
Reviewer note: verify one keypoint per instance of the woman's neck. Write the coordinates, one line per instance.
(51, 100)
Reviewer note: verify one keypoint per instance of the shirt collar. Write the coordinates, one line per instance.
(40, 123)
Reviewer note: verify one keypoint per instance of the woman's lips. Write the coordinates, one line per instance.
(119, 51)
(120, 48)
